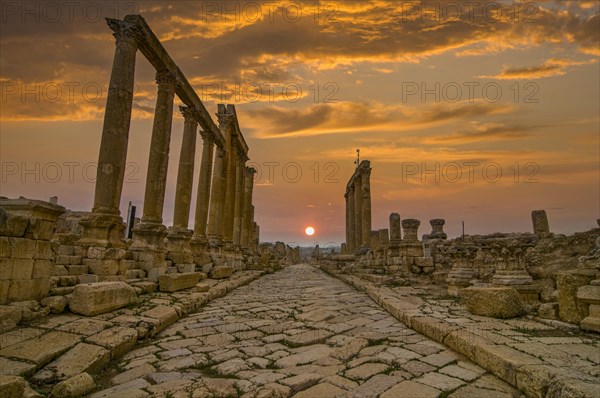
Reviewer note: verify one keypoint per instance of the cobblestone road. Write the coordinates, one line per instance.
(297, 332)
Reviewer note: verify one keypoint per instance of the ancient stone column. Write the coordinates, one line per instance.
(366, 207)
(240, 178)
(358, 214)
(247, 216)
(158, 161)
(347, 222)
(228, 209)
(203, 196)
(395, 234)
(117, 118)
(104, 225)
(410, 245)
(256, 237)
(151, 232)
(216, 199)
(185, 174)
(437, 229)
(411, 227)
(540, 223)
(178, 239)
(351, 242)
(384, 236)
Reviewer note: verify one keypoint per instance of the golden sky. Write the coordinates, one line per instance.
(475, 112)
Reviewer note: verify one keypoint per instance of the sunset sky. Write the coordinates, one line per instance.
(465, 87)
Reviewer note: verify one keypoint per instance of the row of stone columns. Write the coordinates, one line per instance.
(224, 211)
(358, 208)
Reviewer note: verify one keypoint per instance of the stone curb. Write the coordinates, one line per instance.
(525, 372)
(164, 315)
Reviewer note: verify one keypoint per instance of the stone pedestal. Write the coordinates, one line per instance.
(150, 237)
(178, 246)
(462, 273)
(459, 278)
(410, 245)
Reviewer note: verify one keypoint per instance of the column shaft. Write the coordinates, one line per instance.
(366, 208)
(358, 216)
(229, 208)
(247, 213)
(117, 119)
(158, 161)
(240, 177)
(185, 174)
(351, 244)
(217, 196)
(203, 196)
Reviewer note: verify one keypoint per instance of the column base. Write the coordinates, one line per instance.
(511, 277)
(179, 250)
(149, 236)
(411, 249)
(102, 230)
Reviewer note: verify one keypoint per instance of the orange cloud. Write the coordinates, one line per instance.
(552, 67)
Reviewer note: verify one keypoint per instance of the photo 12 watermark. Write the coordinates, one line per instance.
(469, 172)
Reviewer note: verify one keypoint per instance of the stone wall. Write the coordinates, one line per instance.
(27, 251)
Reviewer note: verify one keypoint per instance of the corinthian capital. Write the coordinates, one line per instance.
(123, 31)
(166, 79)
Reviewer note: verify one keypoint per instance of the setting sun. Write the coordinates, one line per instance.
(310, 231)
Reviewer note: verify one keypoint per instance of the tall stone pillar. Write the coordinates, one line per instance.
(185, 174)
(358, 214)
(203, 196)
(240, 179)
(105, 225)
(178, 240)
(151, 230)
(247, 216)
(366, 207)
(350, 227)
(215, 230)
(230, 192)
(255, 237)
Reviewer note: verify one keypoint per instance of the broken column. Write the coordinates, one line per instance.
(395, 232)
(104, 226)
(410, 245)
(463, 255)
(150, 233)
(540, 223)
(437, 229)
(509, 253)
(179, 236)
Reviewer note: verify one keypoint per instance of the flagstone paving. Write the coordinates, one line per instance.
(297, 332)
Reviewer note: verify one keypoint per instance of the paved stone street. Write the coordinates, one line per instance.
(297, 332)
